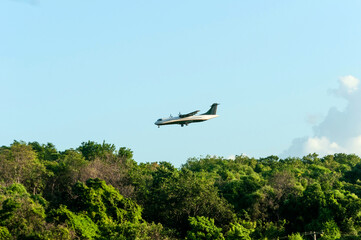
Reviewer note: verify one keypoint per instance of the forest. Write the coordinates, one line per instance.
(98, 191)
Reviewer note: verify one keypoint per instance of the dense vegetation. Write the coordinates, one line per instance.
(99, 192)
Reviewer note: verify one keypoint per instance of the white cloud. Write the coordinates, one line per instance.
(350, 83)
(232, 157)
(322, 146)
(340, 131)
(355, 145)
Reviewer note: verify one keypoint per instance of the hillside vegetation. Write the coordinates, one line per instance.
(97, 191)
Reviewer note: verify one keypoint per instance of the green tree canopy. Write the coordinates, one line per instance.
(203, 228)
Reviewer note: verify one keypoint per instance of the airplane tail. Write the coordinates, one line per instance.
(212, 110)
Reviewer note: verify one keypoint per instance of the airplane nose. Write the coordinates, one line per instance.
(157, 123)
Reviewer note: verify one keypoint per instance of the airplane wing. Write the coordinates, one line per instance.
(188, 114)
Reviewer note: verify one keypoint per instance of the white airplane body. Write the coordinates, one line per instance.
(185, 119)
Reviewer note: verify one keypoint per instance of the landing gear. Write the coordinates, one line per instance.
(182, 125)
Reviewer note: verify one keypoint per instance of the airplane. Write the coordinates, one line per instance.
(185, 119)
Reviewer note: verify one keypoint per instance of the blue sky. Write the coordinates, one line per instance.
(73, 71)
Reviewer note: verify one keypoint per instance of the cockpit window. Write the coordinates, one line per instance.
(159, 119)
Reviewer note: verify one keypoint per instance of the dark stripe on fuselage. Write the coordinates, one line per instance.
(182, 122)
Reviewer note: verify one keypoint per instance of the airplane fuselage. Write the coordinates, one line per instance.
(184, 121)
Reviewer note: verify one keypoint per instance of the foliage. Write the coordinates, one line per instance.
(19, 164)
(174, 196)
(91, 150)
(295, 236)
(331, 231)
(203, 228)
(97, 191)
(5, 234)
(103, 203)
(24, 216)
(241, 231)
(19, 213)
(135, 231)
(80, 223)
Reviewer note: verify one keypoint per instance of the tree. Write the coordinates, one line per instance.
(314, 203)
(240, 193)
(19, 164)
(175, 196)
(141, 230)
(103, 203)
(240, 231)
(354, 175)
(284, 187)
(125, 153)
(331, 231)
(91, 150)
(66, 172)
(97, 210)
(295, 236)
(24, 216)
(113, 169)
(5, 234)
(80, 223)
(203, 228)
(45, 152)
